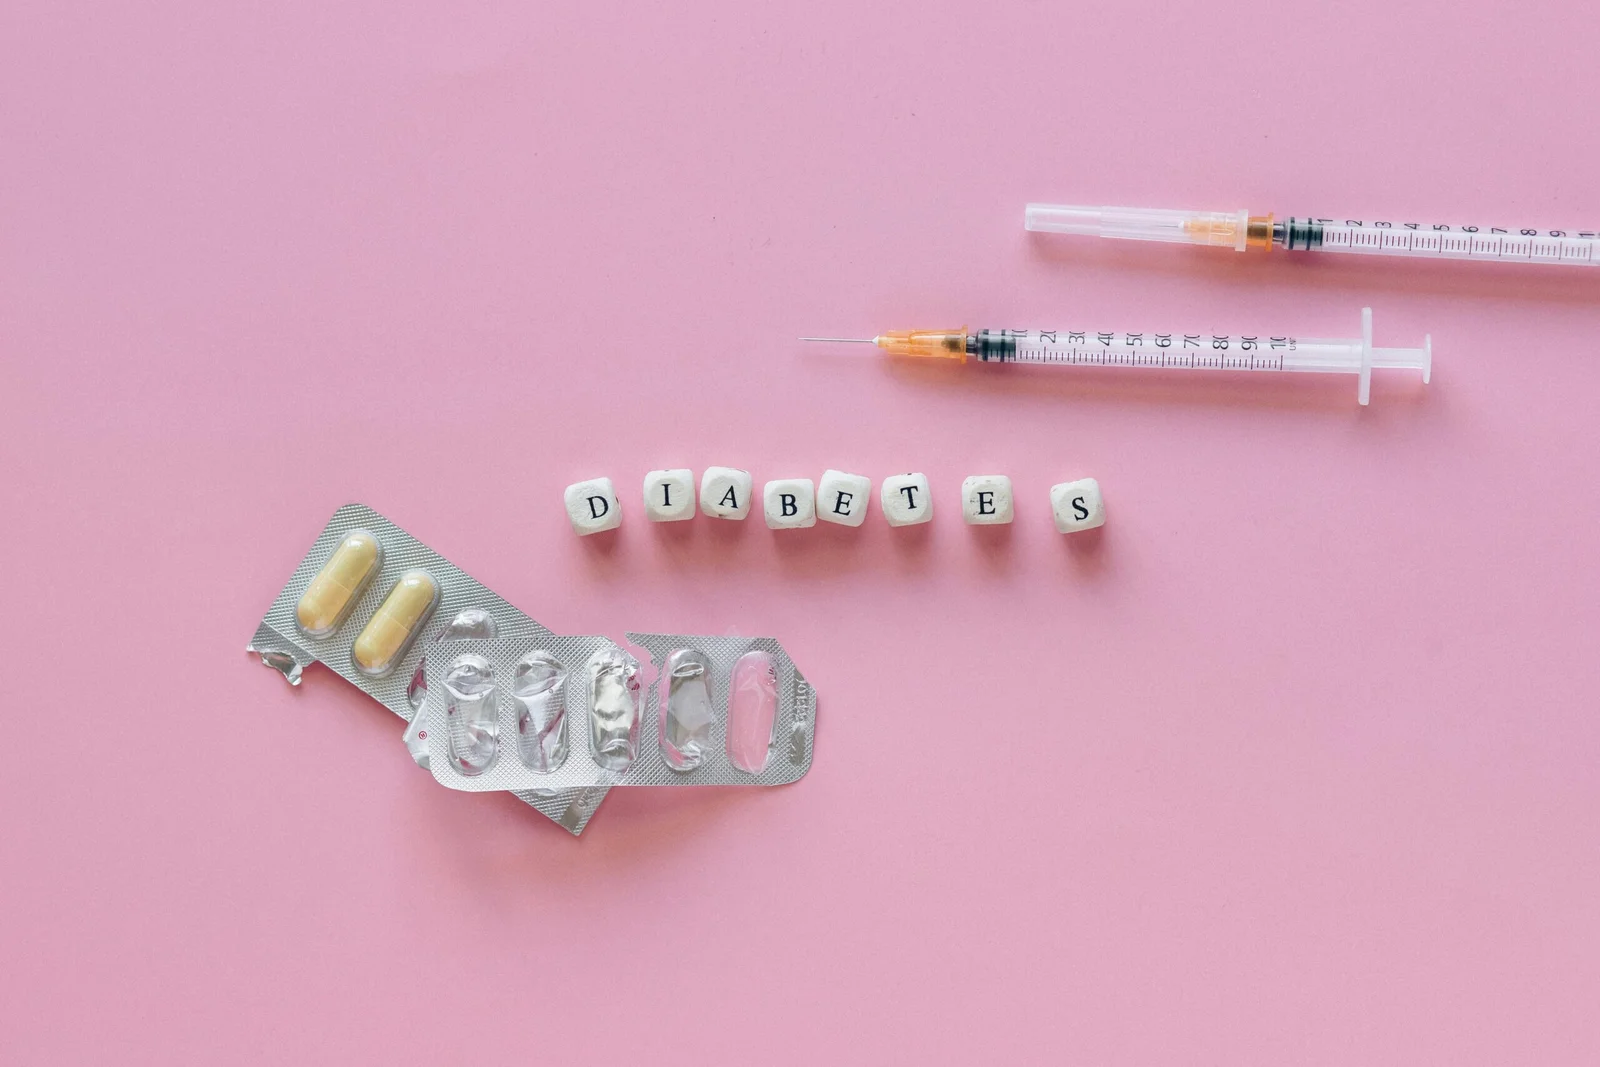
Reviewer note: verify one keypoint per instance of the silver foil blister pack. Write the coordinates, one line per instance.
(526, 711)
(494, 700)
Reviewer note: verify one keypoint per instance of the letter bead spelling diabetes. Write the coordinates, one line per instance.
(906, 500)
(842, 498)
(669, 495)
(986, 500)
(789, 503)
(592, 506)
(1077, 505)
(725, 492)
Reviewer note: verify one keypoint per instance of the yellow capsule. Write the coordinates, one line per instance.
(339, 584)
(399, 618)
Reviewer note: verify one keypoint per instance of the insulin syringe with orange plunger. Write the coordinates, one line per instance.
(1243, 231)
(1250, 353)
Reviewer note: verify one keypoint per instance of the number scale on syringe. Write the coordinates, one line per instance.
(1442, 241)
(1161, 350)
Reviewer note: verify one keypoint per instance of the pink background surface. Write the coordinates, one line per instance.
(1295, 763)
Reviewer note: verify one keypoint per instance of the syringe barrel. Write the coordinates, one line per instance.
(1501, 244)
(1200, 351)
(1160, 351)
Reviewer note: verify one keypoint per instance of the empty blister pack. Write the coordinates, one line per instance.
(367, 602)
(520, 710)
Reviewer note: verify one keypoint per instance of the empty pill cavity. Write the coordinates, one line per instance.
(472, 713)
(686, 712)
(470, 623)
(613, 701)
(383, 642)
(473, 623)
(327, 601)
(752, 711)
(538, 691)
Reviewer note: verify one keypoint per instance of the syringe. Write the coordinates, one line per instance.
(1160, 351)
(1241, 230)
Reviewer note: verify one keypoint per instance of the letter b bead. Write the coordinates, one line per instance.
(789, 503)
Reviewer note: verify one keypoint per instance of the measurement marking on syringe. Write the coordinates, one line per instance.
(1105, 357)
(1466, 243)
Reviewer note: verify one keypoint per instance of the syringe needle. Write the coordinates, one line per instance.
(844, 340)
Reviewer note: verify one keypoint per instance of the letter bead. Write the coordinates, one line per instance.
(843, 498)
(592, 506)
(1077, 505)
(906, 499)
(986, 500)
(725, 492)
(669, 495)
(789, 503)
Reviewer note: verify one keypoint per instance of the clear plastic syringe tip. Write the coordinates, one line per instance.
(1234, 229)
(1064, 218)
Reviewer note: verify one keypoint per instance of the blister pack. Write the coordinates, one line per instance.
(494, 700)
(521, 710)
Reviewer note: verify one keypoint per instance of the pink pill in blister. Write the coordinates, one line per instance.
(752, 711)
